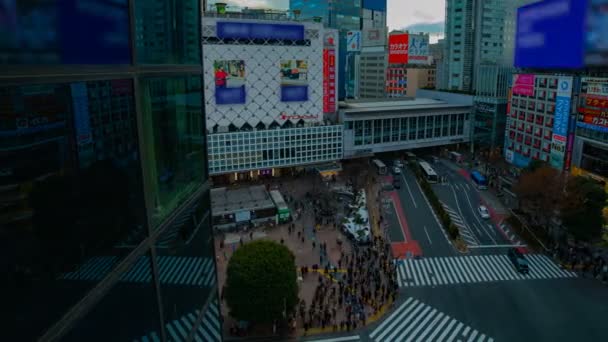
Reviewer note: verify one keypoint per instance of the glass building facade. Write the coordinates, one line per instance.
(104, 191)
(244, 151)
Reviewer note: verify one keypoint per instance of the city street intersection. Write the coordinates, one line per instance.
(446, 295)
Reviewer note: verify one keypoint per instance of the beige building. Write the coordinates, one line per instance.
(404, 81)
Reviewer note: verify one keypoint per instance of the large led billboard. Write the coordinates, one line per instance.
(551, 34)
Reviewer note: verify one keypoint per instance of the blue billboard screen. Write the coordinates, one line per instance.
(259, 31)
(550, 34)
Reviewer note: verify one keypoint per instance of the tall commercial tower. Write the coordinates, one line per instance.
(104, 191)
(345, 15)
(269, 96)
(478, 58)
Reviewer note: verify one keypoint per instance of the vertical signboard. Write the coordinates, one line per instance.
(570, 143)
(560, 123)
(82, 121)
(418, 49)
(329, 80)
(353, 41)
(398, 48)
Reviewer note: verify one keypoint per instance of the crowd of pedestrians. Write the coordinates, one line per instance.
(583, 261)
(347, 295)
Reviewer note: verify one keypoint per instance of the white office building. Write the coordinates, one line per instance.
(267, 86)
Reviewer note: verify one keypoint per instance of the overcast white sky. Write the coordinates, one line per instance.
(401, 13)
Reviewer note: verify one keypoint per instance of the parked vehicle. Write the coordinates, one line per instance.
(396, 170)
(396, 183)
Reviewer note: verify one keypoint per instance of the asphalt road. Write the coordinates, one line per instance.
(422, 223)
(462, 197)
(535, 310)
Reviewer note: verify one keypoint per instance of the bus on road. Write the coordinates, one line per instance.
(283, 213)
(380, 167)
(428, 172)
(410, 157)
(479, 180)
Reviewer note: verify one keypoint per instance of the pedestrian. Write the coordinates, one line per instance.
(282, 242)
(250, 235)
(241, 241)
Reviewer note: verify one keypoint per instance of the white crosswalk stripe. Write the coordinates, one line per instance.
(473, 269)
(338, 339)
(189, 271)
(413, 320)
(178, 330)
(465, 231)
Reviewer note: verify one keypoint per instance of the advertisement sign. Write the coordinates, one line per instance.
(562, 113)
(570, 144)
(550, 34)
(398, 48)
(329, 81)
(236, 30)
(596, 101)
(523, 84)
(82, 120)
(418, 52)
(558, 151)
(330, 38)
(596, 88)
(353, 41)
(229, 81)
(294, 80)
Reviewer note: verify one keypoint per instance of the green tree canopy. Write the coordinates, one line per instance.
(581, 210)
(261, 282)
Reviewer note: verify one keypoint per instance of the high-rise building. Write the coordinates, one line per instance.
(104, 205)
(372, 63)
(345, 15)
(269, 96)
(478, 58)
(589, 149)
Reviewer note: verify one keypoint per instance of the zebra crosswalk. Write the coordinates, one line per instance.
(174, 270)
(473, 269)
(209, 330)
(414, 320)
(338, 339)
(465, 232)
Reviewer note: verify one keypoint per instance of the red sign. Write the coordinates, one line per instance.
(593, 112)
(329, 80)
(596, 101)
(398, 48)
(596, 120)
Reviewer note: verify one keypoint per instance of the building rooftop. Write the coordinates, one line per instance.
(228, 201)
(400, 104)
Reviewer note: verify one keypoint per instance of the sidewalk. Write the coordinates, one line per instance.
(310, 230)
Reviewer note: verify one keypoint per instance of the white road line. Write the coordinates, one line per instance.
(430, 327)
(443, 322)
(409, 190)
(397, 312)
(476, 216)
(421, 325)
(427, 235)
(456, 330)
(339, 339)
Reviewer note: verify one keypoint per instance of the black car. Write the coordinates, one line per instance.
(519, 261)
(396, 183)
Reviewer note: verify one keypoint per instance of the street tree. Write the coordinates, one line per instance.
(261, 284)
(581, 208)
(539, 192)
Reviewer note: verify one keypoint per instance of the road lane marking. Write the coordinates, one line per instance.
(409, 190)
(427, 235)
